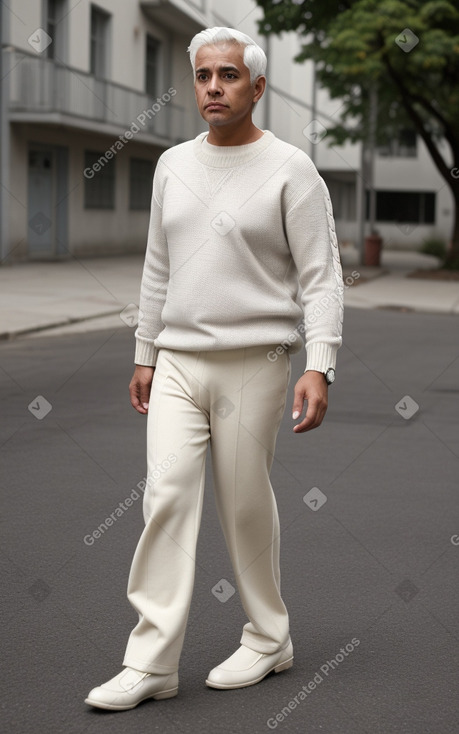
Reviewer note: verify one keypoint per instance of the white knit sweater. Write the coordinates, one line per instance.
(233, 231)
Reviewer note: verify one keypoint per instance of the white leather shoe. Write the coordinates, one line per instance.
(247, 667)
(130, 687)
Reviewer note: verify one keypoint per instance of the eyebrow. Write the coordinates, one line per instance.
(221, 68)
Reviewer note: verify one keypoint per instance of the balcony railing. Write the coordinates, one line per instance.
(44, 87)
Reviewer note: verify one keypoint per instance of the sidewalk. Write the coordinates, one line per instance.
(93, 293)
(66, 296)
(389, 288)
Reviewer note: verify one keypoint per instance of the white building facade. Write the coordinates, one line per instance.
(93, 92)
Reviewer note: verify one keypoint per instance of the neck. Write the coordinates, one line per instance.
(238, 134)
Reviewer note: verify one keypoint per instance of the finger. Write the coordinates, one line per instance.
(145, 390)
(313, 418)
(136, 402)
(140, 408)
(298, 404)
(145, 395)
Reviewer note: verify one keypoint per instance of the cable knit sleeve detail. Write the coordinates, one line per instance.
(154, 281)
(314, 246)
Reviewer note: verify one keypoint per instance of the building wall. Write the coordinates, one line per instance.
(415, 174)
(92, 231)
(289, 108)
(24, 19)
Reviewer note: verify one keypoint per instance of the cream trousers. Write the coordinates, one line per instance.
(234, 398)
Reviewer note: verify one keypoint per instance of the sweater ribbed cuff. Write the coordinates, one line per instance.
(146, 353)
(320, 357)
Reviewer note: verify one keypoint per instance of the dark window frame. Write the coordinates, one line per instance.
(404, 145)
(413, 207)
(99, 31)
(152, 65)
(100, 190)
(140, 183)
(54, 24)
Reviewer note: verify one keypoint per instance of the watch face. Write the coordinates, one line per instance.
(330, 375)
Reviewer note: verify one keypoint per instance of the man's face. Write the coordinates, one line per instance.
(222, 85)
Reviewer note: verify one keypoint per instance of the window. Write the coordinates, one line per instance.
(405, 206)
(99, 190)
(404, 145)
(100, 23)
(140, 181)
(55, 14)
(152, 60)
(342, 195)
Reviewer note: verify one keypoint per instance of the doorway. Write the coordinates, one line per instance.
(47, 201)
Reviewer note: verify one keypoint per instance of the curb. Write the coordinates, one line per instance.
(11, 335)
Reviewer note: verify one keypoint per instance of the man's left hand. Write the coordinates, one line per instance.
(313, 388)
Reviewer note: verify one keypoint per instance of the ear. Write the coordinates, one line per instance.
(259, 88)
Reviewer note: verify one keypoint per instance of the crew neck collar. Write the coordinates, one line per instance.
(228, 156)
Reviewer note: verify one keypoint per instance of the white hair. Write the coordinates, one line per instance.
(254, 56)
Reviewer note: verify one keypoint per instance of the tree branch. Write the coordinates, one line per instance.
(438, 159)
(449, 133)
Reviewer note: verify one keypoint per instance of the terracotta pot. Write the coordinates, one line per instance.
(373, 246)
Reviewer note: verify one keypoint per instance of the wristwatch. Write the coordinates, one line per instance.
(329, 375)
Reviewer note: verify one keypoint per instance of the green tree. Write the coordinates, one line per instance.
(406, 50)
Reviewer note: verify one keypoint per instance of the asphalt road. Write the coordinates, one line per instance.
(369, 574)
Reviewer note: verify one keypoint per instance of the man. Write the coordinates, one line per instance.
(238, 218)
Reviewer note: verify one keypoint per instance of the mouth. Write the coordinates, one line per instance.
(215, 106)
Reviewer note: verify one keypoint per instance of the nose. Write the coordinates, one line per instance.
(214, 85)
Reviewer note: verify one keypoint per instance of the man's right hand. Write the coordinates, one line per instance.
(140, 387)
